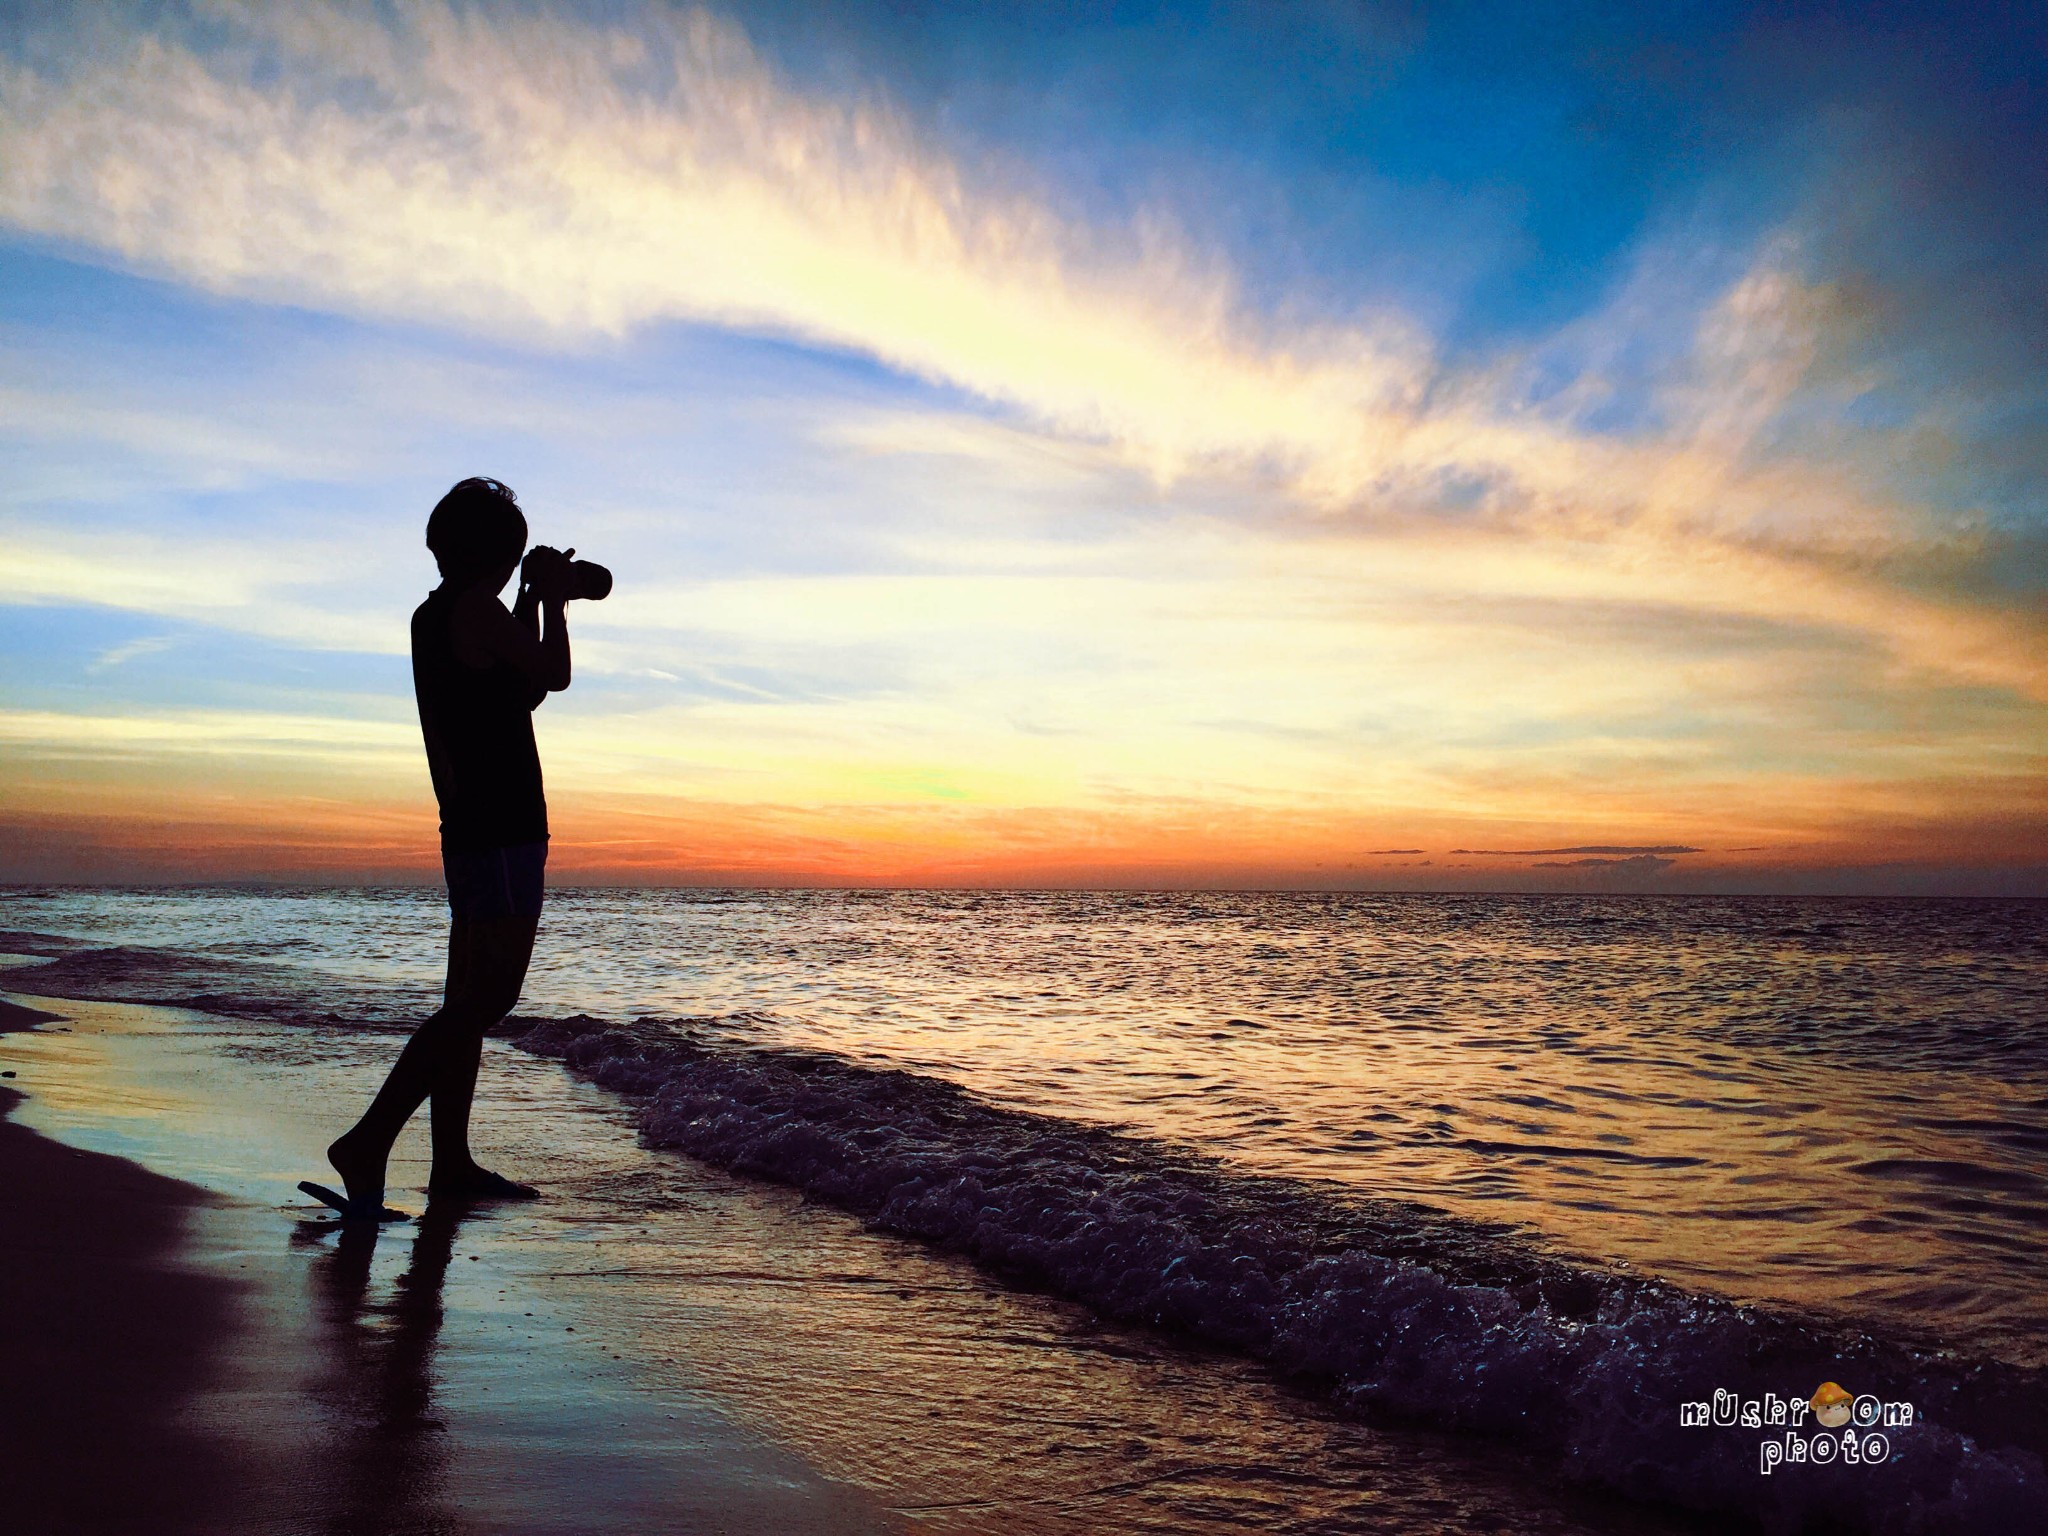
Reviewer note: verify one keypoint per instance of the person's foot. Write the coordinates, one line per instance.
(362, 1176)
(474, 1183)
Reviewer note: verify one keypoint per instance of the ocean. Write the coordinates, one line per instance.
(1385, 1143)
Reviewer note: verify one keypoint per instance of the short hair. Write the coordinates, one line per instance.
(476, 526)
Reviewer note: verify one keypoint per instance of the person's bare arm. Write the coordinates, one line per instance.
(526, 609)
(534, 640)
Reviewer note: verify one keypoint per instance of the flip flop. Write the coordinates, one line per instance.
(350, 1211)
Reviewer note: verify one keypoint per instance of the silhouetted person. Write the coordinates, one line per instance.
(479, 672)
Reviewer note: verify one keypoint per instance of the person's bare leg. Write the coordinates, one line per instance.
(450, 1102)
(457, 1175)
(487, 965)
(359, 1154)
(496, 957)
(454, 1088)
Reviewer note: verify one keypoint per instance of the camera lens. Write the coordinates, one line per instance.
(592, 580)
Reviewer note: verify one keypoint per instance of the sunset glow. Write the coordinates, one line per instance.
(1033, 460)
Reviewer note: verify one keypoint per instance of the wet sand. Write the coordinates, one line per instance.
(105, 1337)
(657, 1346)
(182, 1359)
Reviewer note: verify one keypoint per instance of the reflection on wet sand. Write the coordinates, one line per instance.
(386, 1467)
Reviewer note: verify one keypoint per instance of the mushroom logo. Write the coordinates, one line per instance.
(1830, 1405)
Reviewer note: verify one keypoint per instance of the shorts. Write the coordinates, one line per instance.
(495, 883)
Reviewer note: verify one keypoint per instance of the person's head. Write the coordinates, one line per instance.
(477, 530)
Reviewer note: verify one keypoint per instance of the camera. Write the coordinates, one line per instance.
(591, 579)
(587, 579)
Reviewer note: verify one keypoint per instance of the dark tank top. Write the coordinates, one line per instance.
(478, 723)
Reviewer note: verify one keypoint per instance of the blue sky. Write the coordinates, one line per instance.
(1074, 443)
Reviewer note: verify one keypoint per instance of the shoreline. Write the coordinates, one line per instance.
(668, 1347)
(1579, 1364)
(107, 1336)
(187, 1356)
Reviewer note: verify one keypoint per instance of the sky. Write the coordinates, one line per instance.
(1406, 446)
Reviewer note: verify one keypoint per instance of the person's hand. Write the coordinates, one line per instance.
(546, 571)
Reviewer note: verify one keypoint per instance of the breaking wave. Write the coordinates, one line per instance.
(1397, 1311)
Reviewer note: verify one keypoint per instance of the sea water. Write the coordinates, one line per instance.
(1833, 1108)
(1836, 1103)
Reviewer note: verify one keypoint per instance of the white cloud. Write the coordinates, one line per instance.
(120, 655)
(563, 179)
(239, 585)
(238, 735)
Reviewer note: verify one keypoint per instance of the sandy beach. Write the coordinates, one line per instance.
(185, 1358)
(107, 1335)
(656, 1346)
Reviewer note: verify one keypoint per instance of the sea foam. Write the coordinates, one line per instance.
(1400, 1313)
